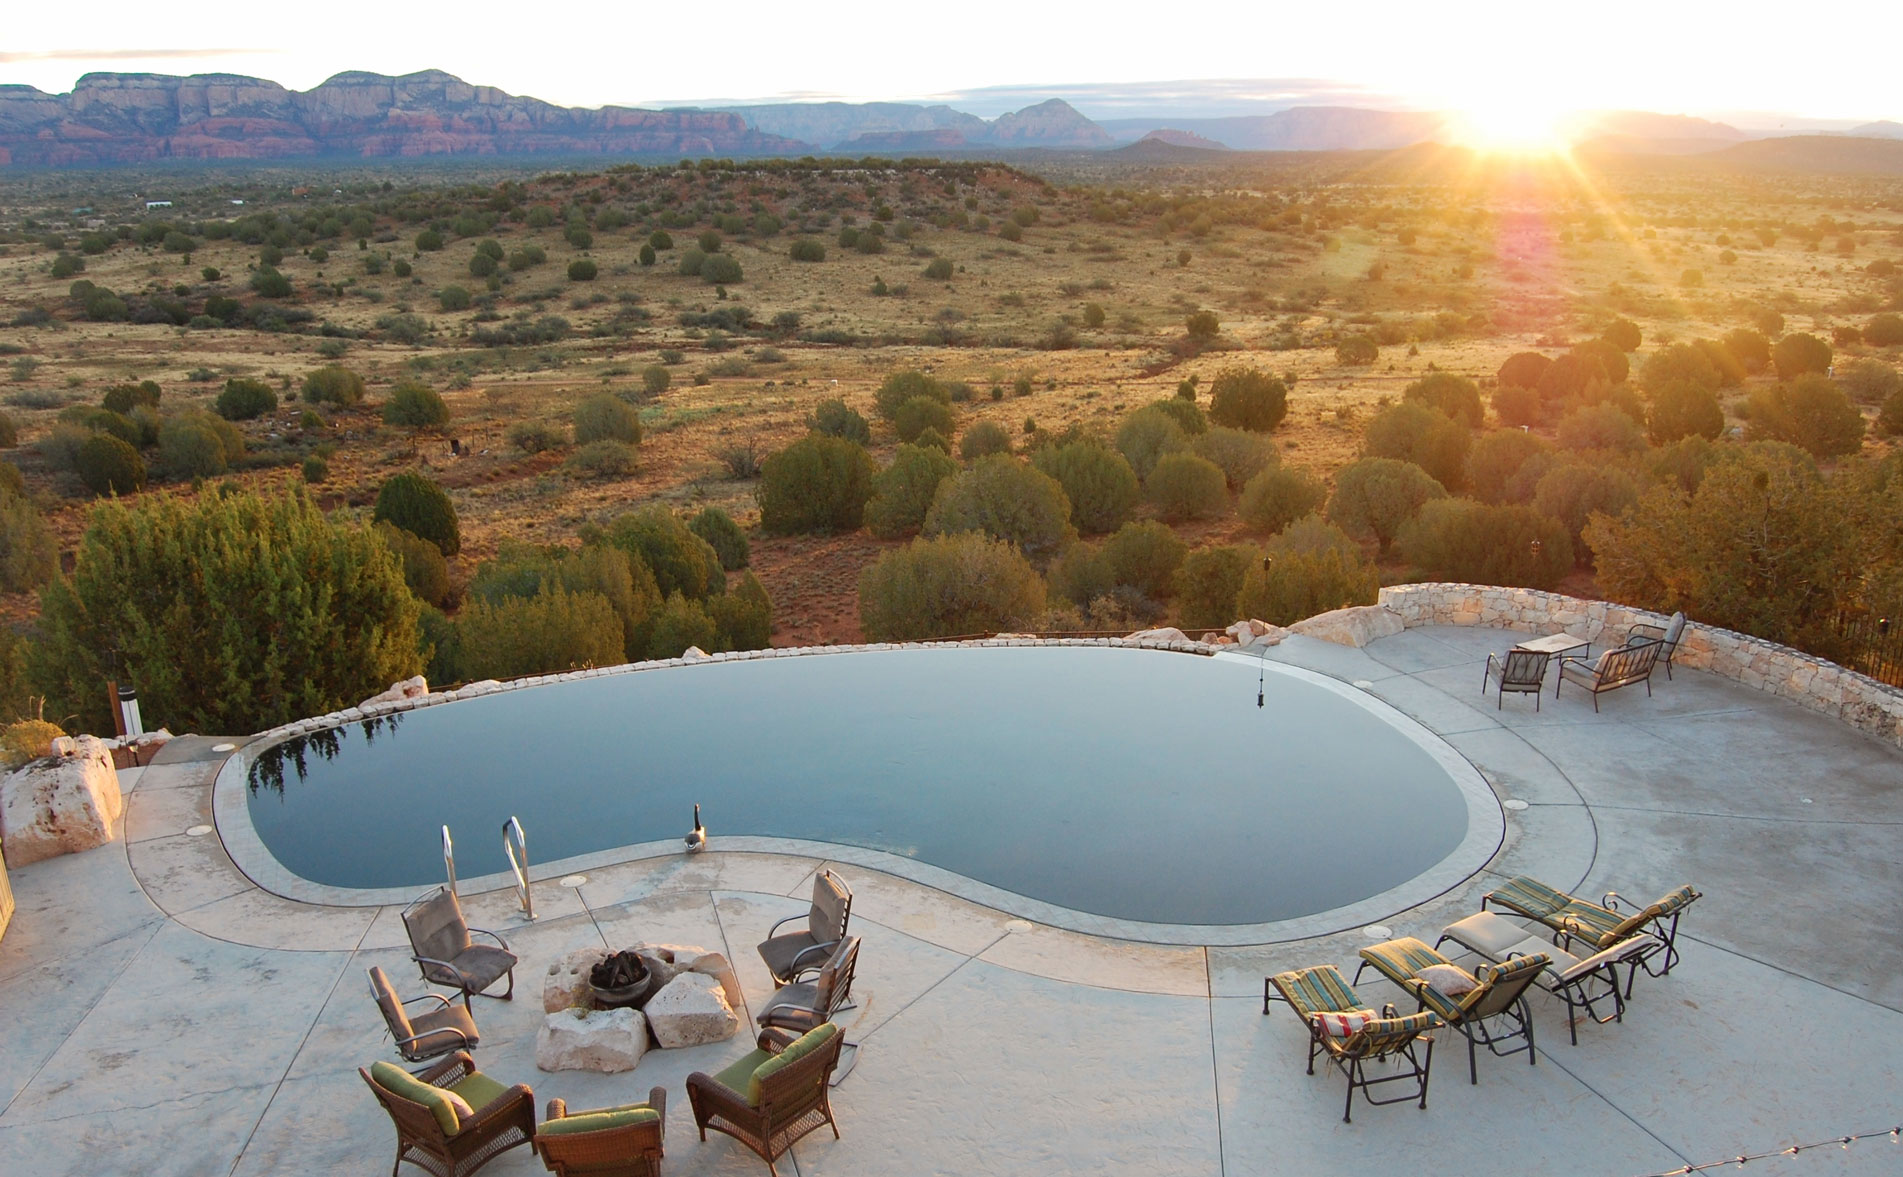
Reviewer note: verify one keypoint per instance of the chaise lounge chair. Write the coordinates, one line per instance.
(607, 1142)
(431, 1130)
(771, 1097)
(1599, 925)
(448, 955)
(788, 955)
(433, 1032)
(1351, 1034)
(1581, 984)
(1498, 994)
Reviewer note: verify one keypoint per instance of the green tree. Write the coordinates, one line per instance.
(109, 465)
(722, 269)
(1184, 486)
(1461, 540)
(1601, 427)
(1810, 412)
(606, 417)
(1099, 483)
(948, 585)
(453, 298)
(1623, 334)
(123, 398)
(1430, 439)
(1377, 496)
(680, 561)
(521, 570)
(1523, 369)
(29, 553)
(429, 241)
(413, 405)
(1455, 396)
(1298, 584)
(1008, 500)
(1247, 398)
(903, 492)
(1884, 330)
(1238, 453)
(1684, 409)
(902, 386)
(582, 270)
(333, 385)
(1798, 354)
(1145, 556)
(230, 612)
(982, 439)
(243, 400)
(1495, 458)
(835, 418)
(198, 445)
(920, 413)
(1356, 351)
(820, 484)
(655, 380)
(683, 622)
(806, 250)
(1749, 347)
(723, 535)
(424, 569)
(1574, 492)
(419, 506)
(1146, 435)
(743, 615)
(1209, 582)
(1202, 326)
(554, 630)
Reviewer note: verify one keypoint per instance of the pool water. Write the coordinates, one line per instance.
(1133, 784)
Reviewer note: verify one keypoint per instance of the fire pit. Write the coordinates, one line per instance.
(622, 979)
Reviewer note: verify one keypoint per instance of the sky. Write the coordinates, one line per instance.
(1764, 62)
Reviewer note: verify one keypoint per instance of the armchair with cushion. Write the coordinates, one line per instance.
(804, 1004)
(447, 953)
(1629, 664)
(773, 1096)
(791, 953)
(1469, 1002)
(451, 1119)
(1667, 636)
(607, 1142)
(1520, 671)
(1351, 1034)
(423, 1036)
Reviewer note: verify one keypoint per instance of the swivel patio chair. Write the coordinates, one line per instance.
(433, 1032)
(1583, 984)
(451, 1119)
(1600, 925)
(441, 941)
(807, 1003)
(1667, 636)
(1498, 995)
(1520, 671)
(773, 1096)
(788, 955)
(607, 1142)
(1344, 1027)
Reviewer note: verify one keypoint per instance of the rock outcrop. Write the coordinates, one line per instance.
(60, 805)
(605, 1040)
(566, 986)
(691, 1010)
(1355, 626)
(409, 688)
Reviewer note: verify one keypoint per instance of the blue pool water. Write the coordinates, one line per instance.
(1127, 783)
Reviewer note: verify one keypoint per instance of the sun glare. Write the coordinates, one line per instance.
(1511, 127)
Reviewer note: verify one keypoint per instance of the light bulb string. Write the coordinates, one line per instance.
(1742, 1159)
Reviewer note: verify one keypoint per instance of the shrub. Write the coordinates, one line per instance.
(1515, 405)
(900, 387)
(1684, 410)
(806, 250)
(1611, 359)
(314, 469)
(1868, 382)
(532, 437)
(419, 506)
(835, 418)
(424, 569)
(1495, 458)
(453, 298)
(1416, 433)
(1008, 500)
(1890, 420)
(1884, 330)
(603, 458)
(243, 400)
(1184, 486)
(1146, 435)
(820, 483)
(1081, 575)
(29, 553)
(1455, 396)
(429, 241)
(982, 439)
(333, 385)
(920, 413)
(1623, 334)
(415, 406)
(1461, 540)
(1238, 453)
(554, 630)
(1209, 582)
(521, 570)
(1184, 412)
(108, 465)
(1294, 585)
(123, 398)
(1356, 351)
(939, 269)
(1202, 326)
(29, 739)
(948, 585)
(743, 616)
(1145, 556)
(722, 268)
(655, 379)
(9, 432)
(1601, 427)
(198, 445)
(1809, 412)
(1749, 348)
(1572, 492)
(1099, 483)
(606, 417)
(1247, 398)
(1278, 497)
(723, 535)
(1798, 354)
(1377, 496)
(691, 261)
(680, 561)
(683, 622)
(267, 282)
(1523, 370)
(582, 270)
(903, 492)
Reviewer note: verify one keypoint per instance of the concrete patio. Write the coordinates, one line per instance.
(160, 1014)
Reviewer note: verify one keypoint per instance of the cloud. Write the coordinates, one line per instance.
(126, 54)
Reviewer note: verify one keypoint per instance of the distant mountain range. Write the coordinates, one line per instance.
(111, 118)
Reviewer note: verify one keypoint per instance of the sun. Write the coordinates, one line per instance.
(1511, 126)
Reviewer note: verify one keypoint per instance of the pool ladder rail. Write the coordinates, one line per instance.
(515, 845)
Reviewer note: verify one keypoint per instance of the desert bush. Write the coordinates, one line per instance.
(1884, 330)
(741, 458)
(1202, 326)
(1238, 453)
(948, 585)
(1517, 405)
(1081, 575)
(108, 465)
(903, 492)
(532, 437)
(723, 535)
(1611, 359)
(419, 506)
(1798, 354)
(806, 250)
(1184, 412)
(1571, 493)
(583, 270)
(680, 561)
(721, 268)
(920, 413)
(1145, 556)
(424, 569)
(683, 622)
(1008, 500)
(453, 298)
(1495, 458)
(1277, 497)
(1523, 370)
(1099, 483)
(123, 398)
(1684, 410)
(1890, 419)
(198, 445)
(1146, 435)
(242, 400)
(819, 483)
(521, 570)
(606, 417)
(939, 269)
(1455, 396)
(1868, 382)
(29, 553)
(314, 469)
(1294, 585)
(333, 385)
(1356, 351)
(691, 261)
(27, 740)
(1750, 348)
(743, 616)
(1247, 398)
(1810, 412)
(902, 386)
(982, 439)
(655, 379)
(1377, 496)
(1209, 582)
(1413, 432)
(9, 431)
(1623, 334)
(1184, 486)
(1601, 427)
(1461, 540)
(603, 458)
(415, 406)
(835, 419)
(554, 630)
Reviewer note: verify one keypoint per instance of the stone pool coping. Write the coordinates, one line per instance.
(1486, 825)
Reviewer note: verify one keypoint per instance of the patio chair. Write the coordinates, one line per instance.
(431, 1033)
(822, 992)
(1581, 984)
(773, 1096)
(1667, 636)
(1498, 995)
(433, 1132)
(607, 1142)
(444, 950)
(1520, 671)
(1599, 925)
(1344, 1027)
(1629, 664)
(788, 955)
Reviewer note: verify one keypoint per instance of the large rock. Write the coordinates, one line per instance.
(605, 1040)
(409, 688)
(566, 983)
(690, 1010)
(1254, 632)
(60, 805)
(1168, 633)
(714, 964)
(1354, 626)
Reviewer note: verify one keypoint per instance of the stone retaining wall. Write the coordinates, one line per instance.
(1858, 700)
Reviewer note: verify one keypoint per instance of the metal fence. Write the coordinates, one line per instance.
(1871, 645)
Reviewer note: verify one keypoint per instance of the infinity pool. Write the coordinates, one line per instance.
(1132, 784)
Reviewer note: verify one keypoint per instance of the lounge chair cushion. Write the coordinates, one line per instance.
(1346, 1023)
(478, 1090)
(795, 1050)
(449, 1107)
(1599, 667)
(1449, 980)
(600, 1119)
(736, 1075)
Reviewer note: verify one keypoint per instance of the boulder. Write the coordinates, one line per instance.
(566, 983)
(694, 654)
(691, 1010)
(409, 688)
(1355, 626)
(1254, 632)
(1168, 633)
(713, 964)
(60, 805)
(605, 1040)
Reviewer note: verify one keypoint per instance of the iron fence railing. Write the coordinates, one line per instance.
(1871, 645)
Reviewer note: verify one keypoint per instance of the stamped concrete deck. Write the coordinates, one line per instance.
(160, 1014)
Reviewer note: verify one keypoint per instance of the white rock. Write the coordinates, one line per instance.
(713, 964)
(409, 688)
(1168, 633)
(691, 1010)
(693, 654)
(1355, 626)
(605, 1040)
(61, 805)
(566, 983)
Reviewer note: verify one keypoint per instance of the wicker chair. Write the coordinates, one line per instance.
(788, 955)
(433, 1032)
(805, 1004)
(1316, 993)
(444, 950)
(1498, 995)
(1600, 925)
(773, 1096)
(1520, 671)
(607, 1142)
(504, 1116)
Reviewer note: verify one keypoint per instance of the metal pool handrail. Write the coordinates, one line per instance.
(449, 860)
(515, 844)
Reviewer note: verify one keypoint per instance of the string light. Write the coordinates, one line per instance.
(1895, 1134)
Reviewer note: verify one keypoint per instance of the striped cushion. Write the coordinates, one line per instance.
(1317, 990)
(1342, 1025)
(1530, 897)
(1674, 900)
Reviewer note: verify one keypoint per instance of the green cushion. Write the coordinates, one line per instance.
(595, 1121)
(736, 1075)
(795, 1050)
(440, 1101)
(478, 1089)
